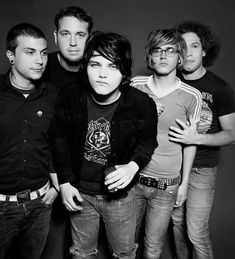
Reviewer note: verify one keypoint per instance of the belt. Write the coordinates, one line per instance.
(25, 196)
(159, 183)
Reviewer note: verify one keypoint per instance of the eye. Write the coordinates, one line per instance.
(81, 35)
(64, 34)
(113, 66)
(29, 52)
(93, 64)
(45, 53)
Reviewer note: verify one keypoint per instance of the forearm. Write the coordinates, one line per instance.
(222, 138)
(54, 181)
(188, 158)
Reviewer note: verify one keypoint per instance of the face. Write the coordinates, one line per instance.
(195, 53)
(164, 60)
(71, 38)
(30, 58)
(104, 76)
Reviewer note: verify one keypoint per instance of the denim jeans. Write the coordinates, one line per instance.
(119, 218)
(191, 220)
(157, 206)
(23, 229)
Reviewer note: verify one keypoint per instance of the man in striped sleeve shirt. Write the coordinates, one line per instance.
(160, 187)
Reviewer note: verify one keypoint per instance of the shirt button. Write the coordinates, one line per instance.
(114, 154)
(25, 140)
(25, 121)
(24, 160)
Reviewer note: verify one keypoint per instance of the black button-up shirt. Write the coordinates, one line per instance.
(24, 136)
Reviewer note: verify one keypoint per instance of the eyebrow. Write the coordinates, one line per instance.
(28, 48)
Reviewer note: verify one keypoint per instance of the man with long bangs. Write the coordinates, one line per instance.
(216, 128)
(102, 139)
(160, 186)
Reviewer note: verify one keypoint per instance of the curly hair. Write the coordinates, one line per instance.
(209, 40)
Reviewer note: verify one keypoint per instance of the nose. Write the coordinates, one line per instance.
(73, 40)
(103, 72)
(39, 59)
(163, 54)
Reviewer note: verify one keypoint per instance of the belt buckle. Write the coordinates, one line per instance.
(23, 197)
(161, 185)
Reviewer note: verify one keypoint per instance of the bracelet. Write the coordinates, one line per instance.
(53, 186)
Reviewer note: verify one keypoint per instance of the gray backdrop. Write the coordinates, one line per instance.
(134, 19)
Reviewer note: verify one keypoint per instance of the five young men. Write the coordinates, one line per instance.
(103, 127)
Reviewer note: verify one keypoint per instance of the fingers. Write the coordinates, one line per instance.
(182, 124)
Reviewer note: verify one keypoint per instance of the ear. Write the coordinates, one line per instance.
(55, 36)
(10, 55)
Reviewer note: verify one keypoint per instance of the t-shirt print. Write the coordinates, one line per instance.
(97, 144)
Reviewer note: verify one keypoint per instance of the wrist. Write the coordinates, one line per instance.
(57, 189)
(134, 167)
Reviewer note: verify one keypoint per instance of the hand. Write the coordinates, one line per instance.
(122, 176)
(69, 195)
(50, 196)
(181, 194)
(187, 135)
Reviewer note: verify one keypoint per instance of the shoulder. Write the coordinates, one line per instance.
(137, 97)
(139, 80)
(190, 90)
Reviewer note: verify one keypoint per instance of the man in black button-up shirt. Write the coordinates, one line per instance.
(26, 114)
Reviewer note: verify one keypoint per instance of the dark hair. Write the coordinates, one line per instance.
(74, 11)
(158, 38)
(22, 29)
(113, 47)
(209, 40)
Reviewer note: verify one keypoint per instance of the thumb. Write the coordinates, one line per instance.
(78, 196)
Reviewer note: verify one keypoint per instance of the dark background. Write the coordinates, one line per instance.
(135, 19)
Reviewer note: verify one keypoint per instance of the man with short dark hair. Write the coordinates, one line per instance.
(26, 114)
(216, 128)
(102, 139)
(72, 28)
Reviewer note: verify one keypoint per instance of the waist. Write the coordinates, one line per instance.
(158, 183)
(25, 196)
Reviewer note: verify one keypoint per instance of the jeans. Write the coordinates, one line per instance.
(157, 206)
(23, 229)
(119, 218)
(191, 220)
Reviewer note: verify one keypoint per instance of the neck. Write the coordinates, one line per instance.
(165, 82)
(104, 99)
(20, 82)
(195, 75)
(70, 66)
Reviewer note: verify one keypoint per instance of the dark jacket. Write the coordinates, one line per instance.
(133, 131)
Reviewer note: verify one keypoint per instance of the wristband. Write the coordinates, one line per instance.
(53, 186)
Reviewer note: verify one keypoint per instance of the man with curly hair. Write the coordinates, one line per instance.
(216, 128)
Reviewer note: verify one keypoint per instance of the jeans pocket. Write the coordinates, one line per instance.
(172, 189)
(45, 205)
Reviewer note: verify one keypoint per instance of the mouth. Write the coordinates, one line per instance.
(38, 70)
(101, 83)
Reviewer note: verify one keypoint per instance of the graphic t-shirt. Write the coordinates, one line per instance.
(97, 147)
(218, 100)
(181, 103)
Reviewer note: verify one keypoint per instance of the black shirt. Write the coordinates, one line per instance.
(57, 75)
(24, 136)
(218, 100)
